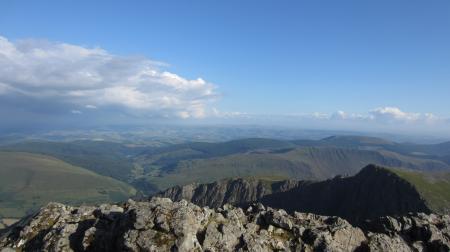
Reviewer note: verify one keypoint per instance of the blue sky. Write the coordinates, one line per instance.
(267, 57)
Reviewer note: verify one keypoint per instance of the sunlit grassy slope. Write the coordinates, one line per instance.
(28, 181)
(434, 188)
(105, 158)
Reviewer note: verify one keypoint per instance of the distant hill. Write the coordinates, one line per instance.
(167, 157)
(372, 143)
(346, 141)
(105, 158)
(310, 163)
(227, 148)
(373, 192)
(27, 181)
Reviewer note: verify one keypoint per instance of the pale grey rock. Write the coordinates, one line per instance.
(163, 225)
(279, 218)
(383, 242)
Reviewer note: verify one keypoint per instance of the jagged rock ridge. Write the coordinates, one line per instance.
(163, 225)
(372, 193)
(238, 192)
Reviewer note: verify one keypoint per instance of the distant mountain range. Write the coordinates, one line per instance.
(276, 159)
(312, 163)
(149, 169)
(153, 168)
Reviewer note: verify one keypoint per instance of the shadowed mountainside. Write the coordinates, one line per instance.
(373, 192)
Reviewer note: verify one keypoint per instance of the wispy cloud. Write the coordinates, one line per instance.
(89, 106)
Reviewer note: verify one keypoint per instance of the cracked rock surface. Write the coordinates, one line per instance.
(163, 225)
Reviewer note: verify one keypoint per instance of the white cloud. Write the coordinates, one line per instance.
(393, 114)
(89, 106)
(396, 115)
(431, 118)
(341, 115)
(318, 115)
(382, 116)
(74, 111)
(92, 78)
(227, 114)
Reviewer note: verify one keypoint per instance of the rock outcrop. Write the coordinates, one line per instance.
(163, 225)
(372, 193)
(238, 192)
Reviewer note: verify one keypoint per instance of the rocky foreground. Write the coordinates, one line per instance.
(163, 225)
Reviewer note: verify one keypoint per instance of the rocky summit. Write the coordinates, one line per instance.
(163, 225)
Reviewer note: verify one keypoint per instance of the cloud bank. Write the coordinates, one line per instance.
(383, 115)
(381, 119)
(49, 78)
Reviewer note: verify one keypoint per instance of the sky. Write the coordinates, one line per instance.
(370, 65)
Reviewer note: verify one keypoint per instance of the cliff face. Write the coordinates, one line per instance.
(238, 192)
(162, 225)
(372, 193)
